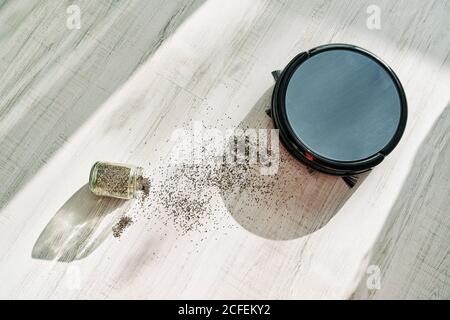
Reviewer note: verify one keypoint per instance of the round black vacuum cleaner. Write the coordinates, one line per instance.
(339, 109)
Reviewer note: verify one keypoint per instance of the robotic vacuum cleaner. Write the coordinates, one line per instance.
(339, 109)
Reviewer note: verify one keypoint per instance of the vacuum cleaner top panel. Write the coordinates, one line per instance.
(343, 105)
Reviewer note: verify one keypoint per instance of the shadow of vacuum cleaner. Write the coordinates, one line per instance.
(340, 110)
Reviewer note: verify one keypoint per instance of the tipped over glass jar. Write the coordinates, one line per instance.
(116, 180)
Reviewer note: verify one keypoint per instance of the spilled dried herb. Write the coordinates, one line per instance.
(121, 225)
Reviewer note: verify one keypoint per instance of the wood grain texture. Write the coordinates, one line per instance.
(136, 71)
(413, 249)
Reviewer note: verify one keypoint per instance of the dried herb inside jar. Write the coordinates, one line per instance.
(115, 180)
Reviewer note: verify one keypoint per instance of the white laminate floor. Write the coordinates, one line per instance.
(136, 71)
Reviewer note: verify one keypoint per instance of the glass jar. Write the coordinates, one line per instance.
(115, 180)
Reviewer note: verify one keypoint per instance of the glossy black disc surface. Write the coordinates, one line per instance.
(343, 105)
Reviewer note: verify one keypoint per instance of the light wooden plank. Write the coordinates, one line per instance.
(136, 71)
